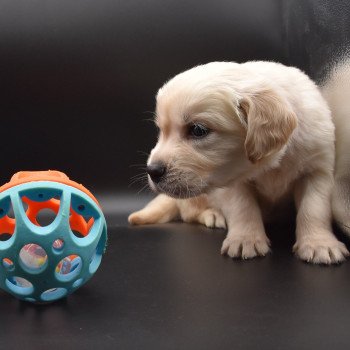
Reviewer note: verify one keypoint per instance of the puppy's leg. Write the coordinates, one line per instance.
(198, 209)
(164, 209)
(315, 241)
(160, 210)
(341, 202)
(341, 190)
(246, 236)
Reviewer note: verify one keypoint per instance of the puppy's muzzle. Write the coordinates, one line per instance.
(156, 171)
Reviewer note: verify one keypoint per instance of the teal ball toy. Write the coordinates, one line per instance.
(52, 236)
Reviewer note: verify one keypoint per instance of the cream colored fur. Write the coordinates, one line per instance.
(271, 136)
(336, 90)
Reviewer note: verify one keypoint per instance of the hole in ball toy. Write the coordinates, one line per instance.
(3, 211)
(10, 212)
(45, 217)
(69, 268)
(41, 205)
(81, 225)
(33, 257)
(58, 245)
(5, 236)
(25, 206)
(7, 221)
(78, 234)
(19, 285)
(83, 216)
(7, 264)
(53, 294)
(40, 195)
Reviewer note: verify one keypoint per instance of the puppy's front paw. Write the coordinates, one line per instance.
(140, 217)
(160, 210)
(148, 216)
(321, 250)
(212, 218)
(245, 247)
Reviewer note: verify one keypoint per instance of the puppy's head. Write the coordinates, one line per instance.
(214, 128)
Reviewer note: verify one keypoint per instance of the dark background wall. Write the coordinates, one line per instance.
(317, 34)
(78, 78)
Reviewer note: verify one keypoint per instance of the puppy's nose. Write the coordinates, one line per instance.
(156, 171)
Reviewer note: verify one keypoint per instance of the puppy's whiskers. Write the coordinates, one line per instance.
(141, 166)
(140, 178)
(145, 187)
(144, 154)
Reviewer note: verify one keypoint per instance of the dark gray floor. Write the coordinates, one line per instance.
(167, 287)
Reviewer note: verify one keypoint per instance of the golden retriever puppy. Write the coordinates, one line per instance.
(235, 138)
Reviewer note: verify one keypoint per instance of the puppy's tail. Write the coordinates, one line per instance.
(336, 90)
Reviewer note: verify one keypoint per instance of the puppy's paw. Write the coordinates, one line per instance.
(149, 216)
(321, 250)
(160, 210)
(141, 217)
(245, 247)
(212, 218)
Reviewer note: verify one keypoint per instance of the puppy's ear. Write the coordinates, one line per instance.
(269, 121)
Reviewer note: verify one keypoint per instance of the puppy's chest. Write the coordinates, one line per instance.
(276, 183)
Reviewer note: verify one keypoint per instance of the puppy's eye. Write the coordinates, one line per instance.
(198, 131)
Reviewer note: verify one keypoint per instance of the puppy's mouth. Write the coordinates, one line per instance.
(176, 187)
